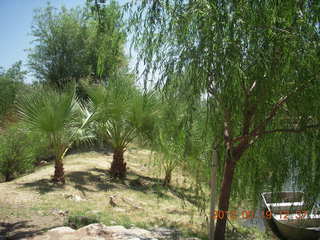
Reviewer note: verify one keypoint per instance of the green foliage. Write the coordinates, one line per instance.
(255, 65)
(168, 140)
(59, 54)
(121, 112)
(79, 220)
(70, 46)
(11, 80)
(16, 153)
(57, 116)
(108, 40)
(40, 146)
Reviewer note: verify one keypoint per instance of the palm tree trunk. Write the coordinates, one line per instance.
(58, 172)
(8, 176)
(167, 178)
(118, 166)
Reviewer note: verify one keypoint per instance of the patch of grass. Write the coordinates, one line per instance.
(237, 231)
(79, 220)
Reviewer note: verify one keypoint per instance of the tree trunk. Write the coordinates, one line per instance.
(118, 166)
(213, 184)
(219, 233)
(58, 172)
(8, 176)
(167, 179)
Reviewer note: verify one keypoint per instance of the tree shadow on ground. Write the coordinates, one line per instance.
(142, 183)
(154, 185)
(92, 180)
(186, 194)
(95, 178)
(133, 181)
(18, 230)
(43, 186)
(95, 146)
(98, 179)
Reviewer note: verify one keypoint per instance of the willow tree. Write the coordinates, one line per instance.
(256, 61)
(168, 136)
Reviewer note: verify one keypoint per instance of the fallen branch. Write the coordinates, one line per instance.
(131, 204)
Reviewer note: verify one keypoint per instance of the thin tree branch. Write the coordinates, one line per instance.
(292, 130)
(273, 112)
(279, 130)
(227, 129)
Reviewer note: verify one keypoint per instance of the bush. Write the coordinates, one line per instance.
(77, 221)
(11, 81)
(16, 156)
(40, 147)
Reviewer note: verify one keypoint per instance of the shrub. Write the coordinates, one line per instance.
(77, 221)
(40, 147)
(11, 81)
(16, 155)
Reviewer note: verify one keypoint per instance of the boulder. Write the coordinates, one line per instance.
(62, 230)
(99, 231)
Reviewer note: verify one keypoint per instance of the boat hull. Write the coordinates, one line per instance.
(270, 223)
(287, 231)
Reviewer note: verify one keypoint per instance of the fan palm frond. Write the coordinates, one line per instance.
(59, 116)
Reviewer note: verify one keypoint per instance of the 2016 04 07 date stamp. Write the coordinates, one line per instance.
(249, 214)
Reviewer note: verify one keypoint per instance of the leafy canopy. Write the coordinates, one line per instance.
(254, 63)
(11, 80)
(70, 45)
(121, 112)
(57, 115)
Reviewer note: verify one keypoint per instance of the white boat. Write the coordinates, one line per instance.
(288, 217)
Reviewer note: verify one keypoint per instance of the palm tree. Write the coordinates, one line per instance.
(122, 113)
(58, 116)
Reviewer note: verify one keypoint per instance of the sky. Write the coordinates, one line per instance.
(15, 26)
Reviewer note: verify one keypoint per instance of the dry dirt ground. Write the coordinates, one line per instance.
(32, 204)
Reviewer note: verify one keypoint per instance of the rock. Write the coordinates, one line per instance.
(43, 162)
(93, 229)
(62, 230)
(137, 182)
(117, 209)
(77, 198)
(166, 232)
(112, 201)
(90, 232)
(59, 212)
(130, 202)
(99, 231)
(116, 228)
